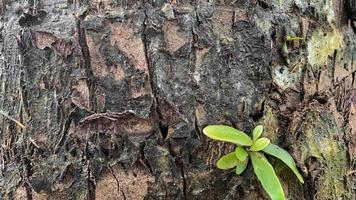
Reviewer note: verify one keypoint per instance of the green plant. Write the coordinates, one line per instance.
(254, 149)
(291, 38)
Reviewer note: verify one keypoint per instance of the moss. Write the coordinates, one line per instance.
(270, 125)
(322, 45)
(320, 141)
(159, 158)
(163, 161)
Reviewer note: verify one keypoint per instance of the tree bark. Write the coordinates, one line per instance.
(107, 99)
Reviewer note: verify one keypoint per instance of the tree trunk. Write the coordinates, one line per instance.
(106, 99)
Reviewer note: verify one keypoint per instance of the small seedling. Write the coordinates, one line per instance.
(291, 38)
(254, 149)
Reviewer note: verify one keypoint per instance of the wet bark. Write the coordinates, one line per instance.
(106, 99)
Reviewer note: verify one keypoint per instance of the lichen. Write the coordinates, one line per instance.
(263, 24)
(322, 45)
(324, 8)
(282, 4)
(286, 78)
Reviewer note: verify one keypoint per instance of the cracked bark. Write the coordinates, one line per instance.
(113, 91)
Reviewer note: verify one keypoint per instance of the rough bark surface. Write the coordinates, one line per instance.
(106, 99)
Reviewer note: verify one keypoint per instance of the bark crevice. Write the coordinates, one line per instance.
(90, 78)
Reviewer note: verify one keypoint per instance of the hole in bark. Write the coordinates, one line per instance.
(263, 4)
(321, 99)
(164, 129)
(134, 173)
(256, 116)
(28, 19)
(258, 113)
(73, 152)
(281, 70)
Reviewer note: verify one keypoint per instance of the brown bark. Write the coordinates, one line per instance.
(106, 99)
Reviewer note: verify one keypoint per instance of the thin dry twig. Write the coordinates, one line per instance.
(12, 119)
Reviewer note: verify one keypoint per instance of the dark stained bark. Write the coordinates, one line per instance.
(107, 99)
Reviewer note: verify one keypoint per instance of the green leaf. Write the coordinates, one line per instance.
(241, 166)
(227, 161)
(284, 156)
(260, 144)
(266, 175)
(257, 131)
(241, 153)
(227, 134)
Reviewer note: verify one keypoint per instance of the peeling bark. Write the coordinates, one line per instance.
(106, 99)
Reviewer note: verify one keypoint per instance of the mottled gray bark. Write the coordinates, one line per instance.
(106, 99)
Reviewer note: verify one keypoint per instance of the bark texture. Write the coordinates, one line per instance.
(106, 99)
